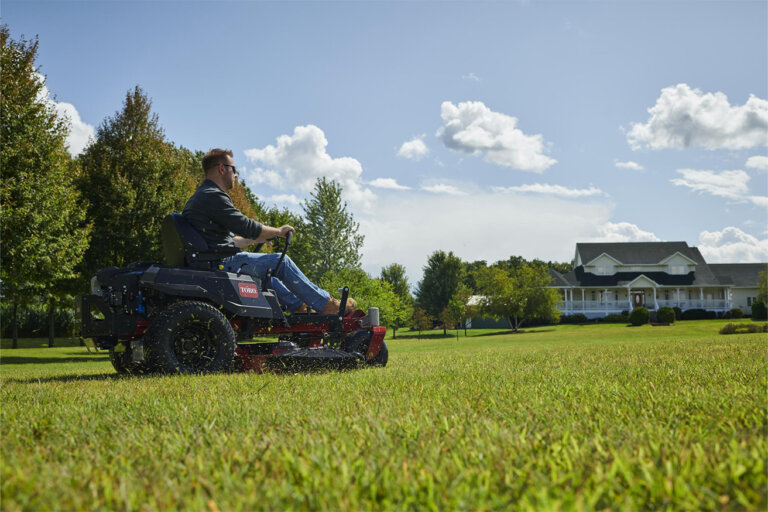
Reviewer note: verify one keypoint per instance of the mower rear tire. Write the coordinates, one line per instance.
(381, 358)
(190, 337)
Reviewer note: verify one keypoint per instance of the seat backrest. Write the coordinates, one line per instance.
(181, 242)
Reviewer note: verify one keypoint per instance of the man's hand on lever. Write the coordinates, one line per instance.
(267, 234)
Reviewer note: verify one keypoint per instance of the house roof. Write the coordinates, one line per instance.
(558, 280)
(738, 274)
(634, 253)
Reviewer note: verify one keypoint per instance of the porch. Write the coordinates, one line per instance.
(600, 302)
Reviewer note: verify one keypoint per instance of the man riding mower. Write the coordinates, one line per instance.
(190, 316)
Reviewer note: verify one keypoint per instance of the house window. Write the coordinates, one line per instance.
(666, 294)
(750, 301)
(677, 269)
(593, 295)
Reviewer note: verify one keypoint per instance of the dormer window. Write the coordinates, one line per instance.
(678, 269)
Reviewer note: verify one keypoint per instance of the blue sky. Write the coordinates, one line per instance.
(487, 128)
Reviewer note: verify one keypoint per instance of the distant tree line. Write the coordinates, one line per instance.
(64, 218)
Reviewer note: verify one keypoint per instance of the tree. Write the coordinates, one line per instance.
(457, 310)
(331, 231)
(421, 320)
(133, 178)
(762, 287)
(394, 274)
(442, 276)
(521, 296)
(42, 224)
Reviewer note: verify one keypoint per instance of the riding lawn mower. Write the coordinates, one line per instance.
(190, 316)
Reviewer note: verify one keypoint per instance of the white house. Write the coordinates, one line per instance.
(615, 277)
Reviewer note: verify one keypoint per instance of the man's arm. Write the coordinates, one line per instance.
(267, 234)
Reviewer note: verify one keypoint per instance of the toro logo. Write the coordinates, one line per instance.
(248, 290)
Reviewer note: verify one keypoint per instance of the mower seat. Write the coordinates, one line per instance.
(185, 247)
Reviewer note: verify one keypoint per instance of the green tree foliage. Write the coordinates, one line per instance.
(330, 231)
(421, 320)
(42, 223)
(457, 310)
(513, 263)
(522, 296)
(133, 178)
(762, 287)
(442, 276)
(366, 291)
(470, 270)
(394, 274)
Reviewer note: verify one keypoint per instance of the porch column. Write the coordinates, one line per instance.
(583, 306)
(629, 298)
(655, 304)
(678, 297)
(701, 297)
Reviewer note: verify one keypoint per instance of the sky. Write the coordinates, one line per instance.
(489, 129)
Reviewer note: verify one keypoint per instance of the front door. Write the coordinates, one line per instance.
(638, 299)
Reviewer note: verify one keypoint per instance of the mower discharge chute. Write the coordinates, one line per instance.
(189, 316)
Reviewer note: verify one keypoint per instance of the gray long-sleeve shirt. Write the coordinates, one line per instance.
(211, 212)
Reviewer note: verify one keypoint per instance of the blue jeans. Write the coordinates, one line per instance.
(290, 284)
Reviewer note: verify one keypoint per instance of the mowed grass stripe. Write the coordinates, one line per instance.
(573, 417)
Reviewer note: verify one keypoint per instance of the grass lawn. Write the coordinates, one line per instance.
(567, 417)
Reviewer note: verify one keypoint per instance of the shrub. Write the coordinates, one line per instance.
(665, 315)
(694, 314)
(759, 311)
(613, 318)
(576, 318)
(678, 313)
(743, 328)
(639, 316)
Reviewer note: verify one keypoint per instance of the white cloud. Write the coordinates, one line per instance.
(414, 149)
(759, 200)
(476, 226)
(470, 76)
(623, 232)
(298, 160)
(473, 128)
(729, 184)
(633, 166)
(732, 245)
(80, 132)
(283, 199)
(442, 188)
(758, 162)
(552, 190)
(683, 117)
(389, 183)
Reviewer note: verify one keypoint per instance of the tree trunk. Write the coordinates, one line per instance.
(51, 311)
(15, 325)
(445, 330)
(394, 333)
(511, 324)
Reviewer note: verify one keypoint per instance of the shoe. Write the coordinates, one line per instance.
(303, 309)
(334, 305)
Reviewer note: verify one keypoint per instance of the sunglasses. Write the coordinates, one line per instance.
(234, 169)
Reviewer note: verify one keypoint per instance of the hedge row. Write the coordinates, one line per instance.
(743, 328)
